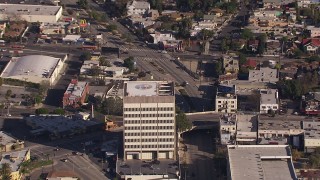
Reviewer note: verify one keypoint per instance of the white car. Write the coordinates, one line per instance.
(164, 52)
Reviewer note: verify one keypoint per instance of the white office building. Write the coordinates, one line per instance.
(149, 120)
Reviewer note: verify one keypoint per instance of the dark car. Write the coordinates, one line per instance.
(155, 161)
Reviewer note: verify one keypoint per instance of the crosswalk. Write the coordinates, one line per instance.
(150, 59)
(123, 48)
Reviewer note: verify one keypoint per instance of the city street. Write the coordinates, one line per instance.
(198, 157)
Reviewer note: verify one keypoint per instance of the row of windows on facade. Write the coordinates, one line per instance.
(274, 107)
(232, 102)
(148, 121)
(148, 115)
(150, 134)
(149, 146)
(150, 109)
(151, 140)
(232, 106)
(147, 127)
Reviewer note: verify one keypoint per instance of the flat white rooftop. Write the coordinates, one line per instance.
(254, 162)
(148, 88)
(27, 9)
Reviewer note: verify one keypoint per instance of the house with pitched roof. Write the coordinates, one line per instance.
(311, 45)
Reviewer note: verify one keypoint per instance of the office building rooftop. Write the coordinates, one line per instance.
(148, 88)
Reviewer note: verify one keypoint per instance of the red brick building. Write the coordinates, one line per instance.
(75, 94)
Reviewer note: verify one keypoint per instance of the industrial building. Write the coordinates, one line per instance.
(30, 13)
(75, 94)
(252, 162)
(34, 68)
(149, 120)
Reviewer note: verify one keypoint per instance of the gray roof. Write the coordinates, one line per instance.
(263, 75)
(37, 66)
(27, 9)
(254, 162)
(268, 96)
(14, 159)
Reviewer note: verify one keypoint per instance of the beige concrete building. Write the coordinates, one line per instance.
(247, 127)
(8, 143)
(277, 131)
(311, 135)
(149, 120)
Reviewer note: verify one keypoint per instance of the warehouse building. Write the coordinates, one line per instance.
(34, 68)
(30, 13)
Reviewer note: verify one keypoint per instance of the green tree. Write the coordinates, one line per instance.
(5, 171)
(104, 62)
(95, 71)
(37, 99)
(85, 56)
(42, 111)
(182, 121)
(83, 4)
(242, 59)
(59, 111)
(129, 63)
(206, 34)
(113, 106)
(8, 93)
(247, 34)
(218, 68)
(43, 87)
(224, 45)
(296, 154)
(112, 27)
(262, 44)
(313, 58)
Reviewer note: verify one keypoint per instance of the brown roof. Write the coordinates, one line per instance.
(55, 174)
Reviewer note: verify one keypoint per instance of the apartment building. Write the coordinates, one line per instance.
(230, 63)
(149, 120)
(226, 99)
(75, 94)
(228, 128)
(137, 7)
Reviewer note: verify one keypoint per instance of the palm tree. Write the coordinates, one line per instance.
(5, 171)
